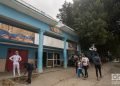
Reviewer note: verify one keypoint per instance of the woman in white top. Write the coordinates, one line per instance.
(85, 62)
(16, 59)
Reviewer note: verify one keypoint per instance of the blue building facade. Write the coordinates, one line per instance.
(19, 15)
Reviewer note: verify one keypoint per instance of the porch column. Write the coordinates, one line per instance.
(40, 51)
(65, 52)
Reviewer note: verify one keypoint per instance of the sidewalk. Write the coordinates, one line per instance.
(67, 77)
(6, 75)
(91, 81)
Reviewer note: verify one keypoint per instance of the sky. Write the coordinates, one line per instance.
(50, 7)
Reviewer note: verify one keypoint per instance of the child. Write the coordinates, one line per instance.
(76, 64)
(79, 70)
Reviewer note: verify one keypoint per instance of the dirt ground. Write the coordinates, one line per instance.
(67, 77)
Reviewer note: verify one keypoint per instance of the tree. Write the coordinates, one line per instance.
(112, 7)
(90, 21)
(96, 21)
(66, 14)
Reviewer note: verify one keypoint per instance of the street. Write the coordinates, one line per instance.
(67, 77)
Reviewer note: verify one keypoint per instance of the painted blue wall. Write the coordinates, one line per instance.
(16, 15)
(26, 19)
(4, 50)
(31, 53)
(71, 37)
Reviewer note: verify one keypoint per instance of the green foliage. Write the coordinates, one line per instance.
(94, 21)
(90, 21)
(66, 14)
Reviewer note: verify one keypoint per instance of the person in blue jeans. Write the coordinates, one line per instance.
(79, 70)
(97, 63)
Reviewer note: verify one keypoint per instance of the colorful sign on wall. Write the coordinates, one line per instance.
(17, 34)
(72, 46)
(4, 34)
(56, 30)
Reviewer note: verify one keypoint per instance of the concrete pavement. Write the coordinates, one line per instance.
(67, 77)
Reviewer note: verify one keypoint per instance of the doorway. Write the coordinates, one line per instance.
(36, 58)
(44, 62)
(53, 59)
(22, 53)
(50, 59)
(56, 59)
(44, 59)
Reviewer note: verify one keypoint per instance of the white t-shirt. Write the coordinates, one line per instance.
(15, 59)
(79, 65)
(85, 61)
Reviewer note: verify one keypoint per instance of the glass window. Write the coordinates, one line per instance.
(50, 55)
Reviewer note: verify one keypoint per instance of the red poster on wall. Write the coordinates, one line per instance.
(22, 53)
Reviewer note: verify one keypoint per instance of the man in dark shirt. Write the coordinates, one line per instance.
(97, 63)
(29, 68)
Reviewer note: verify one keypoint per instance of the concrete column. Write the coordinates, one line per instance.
(78, 48)
(40, 52)
(65, 53)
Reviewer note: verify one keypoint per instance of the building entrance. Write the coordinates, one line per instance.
(50, 59)
(22, 53)
(53, 59)
(44, 59)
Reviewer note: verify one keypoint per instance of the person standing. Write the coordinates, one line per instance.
(28, 69)
(76, 62)
(85, 62)
(79, 70)
(97, 63)
(16, 59)
(93, 50)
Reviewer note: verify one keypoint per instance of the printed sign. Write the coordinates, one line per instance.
(115, 76)
(17, 34)
(4, 34)
(72, 46)
(56, 30)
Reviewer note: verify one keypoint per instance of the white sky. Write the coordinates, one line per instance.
(50, 7)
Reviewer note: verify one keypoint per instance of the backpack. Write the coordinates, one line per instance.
(96, 60)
